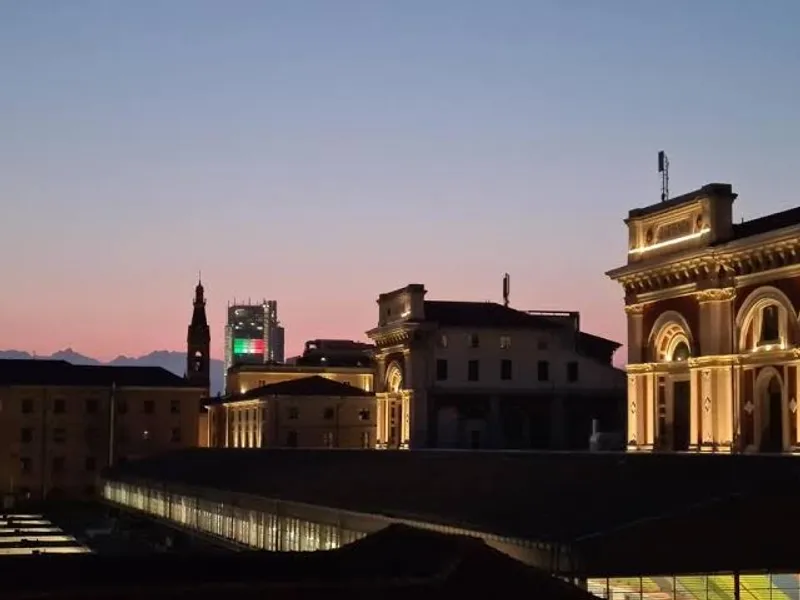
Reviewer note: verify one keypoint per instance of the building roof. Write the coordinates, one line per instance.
(392, 563)
(539, 496)
(62, 373)
(718, 190)
(315, 385)
(765, 224)
(496, 316)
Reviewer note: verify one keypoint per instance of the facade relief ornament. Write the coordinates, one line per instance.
(707, 404)
(634, 309)
(793, 406)
(706, 373)
(748, 407)
(633, 407)
(716, 295)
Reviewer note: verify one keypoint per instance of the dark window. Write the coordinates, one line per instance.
(175, 407)
(59, 435)
(175, 435)
(91, 463)
(441, 369)
(474, 340)
(541, 344)
(291, 439)
(91, 405)
(473, 370)
(474, 439)
(681, 352)
(572, 371)
(543, 370)
(294, 413)
(91, 435)
(770, 329)
(505, 369)
(26, 435)
(27, 406)
(58, 464)
(363, 414)
(59, 406)
(365, 442)
(149, 407)
(122, 407)
(25, 464)
(328, 413)
(89, 490)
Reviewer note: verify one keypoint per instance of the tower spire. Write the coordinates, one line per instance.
(198, 341)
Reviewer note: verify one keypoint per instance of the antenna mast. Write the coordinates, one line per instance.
(506, 288)
(663, 168)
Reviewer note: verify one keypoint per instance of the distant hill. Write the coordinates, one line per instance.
(171, 361)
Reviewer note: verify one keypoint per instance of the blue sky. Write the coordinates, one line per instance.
(321, 152)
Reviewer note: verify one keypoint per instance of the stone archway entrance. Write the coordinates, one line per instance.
(770, 416)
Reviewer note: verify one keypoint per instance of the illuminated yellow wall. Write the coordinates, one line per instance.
(244, 378)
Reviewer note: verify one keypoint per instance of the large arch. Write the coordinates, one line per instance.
(394, 378)
(768, 383)
(749, 316)
(669, 331)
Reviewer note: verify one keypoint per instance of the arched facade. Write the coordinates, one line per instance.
(713, 329)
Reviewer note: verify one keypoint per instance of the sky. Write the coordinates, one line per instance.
(320, 153)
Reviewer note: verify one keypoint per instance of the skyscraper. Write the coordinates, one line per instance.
(253, 334)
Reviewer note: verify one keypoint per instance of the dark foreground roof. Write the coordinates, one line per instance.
(59, 372)
(538, 496)
(315, 385)
(392, 563)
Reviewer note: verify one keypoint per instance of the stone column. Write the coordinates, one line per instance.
(723, 409)
(706, 411)
(716, 322)
(641, 412)
(636, 341)
(381, 422)
(405, 418)
(695, 407)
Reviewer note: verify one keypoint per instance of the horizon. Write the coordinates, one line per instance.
(320, 155)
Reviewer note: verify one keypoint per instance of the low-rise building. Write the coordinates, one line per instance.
(61, 423)
(310, 412)
(484, 375)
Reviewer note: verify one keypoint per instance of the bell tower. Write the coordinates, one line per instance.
(198, 342)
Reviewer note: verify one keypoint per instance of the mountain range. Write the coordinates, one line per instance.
(171, 361)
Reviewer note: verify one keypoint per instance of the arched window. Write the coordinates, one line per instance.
(770, 325)
(681, 352)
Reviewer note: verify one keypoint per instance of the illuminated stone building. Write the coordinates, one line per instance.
(483, 375)
(309, 412)
(713, 332)
(242, 378)
(60, 424)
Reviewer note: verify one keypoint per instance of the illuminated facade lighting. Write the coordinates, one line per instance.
(672, 242)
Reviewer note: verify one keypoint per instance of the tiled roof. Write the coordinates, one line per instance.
(779, 220)
(59, 372)
(397, 562)
(305, 386)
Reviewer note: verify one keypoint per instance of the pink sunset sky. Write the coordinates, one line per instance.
(321, 153)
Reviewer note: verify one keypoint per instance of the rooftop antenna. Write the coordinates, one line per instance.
(663, 168)
(506, 288)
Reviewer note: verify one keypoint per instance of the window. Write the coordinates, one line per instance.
(291, 439)
(294, 413)
(91, 464)
(58, 464)
(26, 435)
(441, 369)
(59, 406)
(443, 340)
(365, 441)
(175, 435)
(473, 370)
(770, 326)
(27, 406)
(363, 414)
(541, 344)
(505, 369)
(175, 407)
(543, 370)
(59, 435)
(572, 371)
(327, 439)
(149, 407)
(91, 435)
(122, 407)
(328, 414)
(25, 464)
(91, 406)
(505, 342)
(473, 340)
(89, 490)
(474, 439)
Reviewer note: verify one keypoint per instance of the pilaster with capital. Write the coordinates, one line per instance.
(636, 341)
(716, 321)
